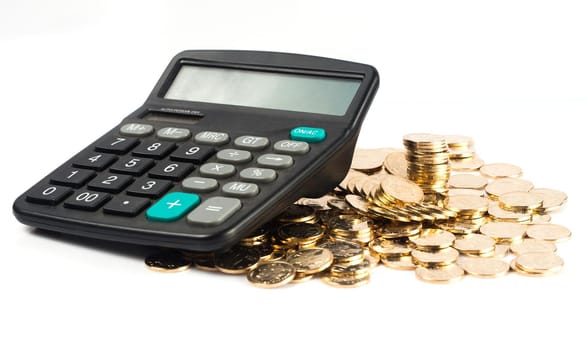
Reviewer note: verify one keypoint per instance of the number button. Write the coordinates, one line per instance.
(275, 161)
(191, 153)
(93, 160)
(146, 187)
(261, 175)
(71, 177)
(291, 147)
(217, 170)
(86, 200)
(117, 145)
(132, 166)
(154, 149)
(171, 170)
(212, 138)
(214, 211)
(172, 206)
(234, 156)
(110, 182)
(126, 205)
(178, 134)
(136, 129)
(251, 142)
(47, 194)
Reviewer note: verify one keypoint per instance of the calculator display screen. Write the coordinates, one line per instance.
(284, 91)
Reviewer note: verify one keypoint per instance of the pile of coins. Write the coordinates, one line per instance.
(435, 208)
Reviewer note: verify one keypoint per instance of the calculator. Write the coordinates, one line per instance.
(226, 141)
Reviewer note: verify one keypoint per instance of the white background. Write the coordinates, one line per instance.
(512, 74)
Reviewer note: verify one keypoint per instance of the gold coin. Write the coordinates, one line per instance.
(296, 233)
(459, 141)
(520, 201)
(496, 170)
(467, 205)
(485, 267)
(468, 164)
(465, 191)
(344, 252)
(237, 260)
(530, 245)
(462, 153)
(167, 261)
(297, 213)
(309, 261)
(468, 181)
(370, 160)
(401, 189)
(380, 246)
(271, 274)
(344, 183)
(357, 271)
(552, 199)
(500, 214)
(346, 282)
(537, 264)
(501, 250)
(442, 257)
(501, 186)
(204, 262)
(396, 164)
(340, 204)
(318, 204)
(399, 230)
(398, 264)
(505, 232)
(445, 274)
(301, 277)
(549, 232)
(358, 203)
(424, 140)
(430, 239)
(459, 228)
(475, 244)
(540, 219)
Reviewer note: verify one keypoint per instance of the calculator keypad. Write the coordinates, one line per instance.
(127, 174)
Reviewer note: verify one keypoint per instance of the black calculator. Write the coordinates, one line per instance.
(224, 143)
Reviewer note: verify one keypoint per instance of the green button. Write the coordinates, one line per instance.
(308, 134)
(173, 206)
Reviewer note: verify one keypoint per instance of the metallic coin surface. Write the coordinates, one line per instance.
(537, 264)
(552, 199)
(468, 164)
(504, 232)
(496, 170)
(167, 261)
(485, 267)
(396, 164)
(271, 274)
(237, 260)
(309, 261)
(400, 189)
(398, 264)
(498, 187)
(468, 181)
(549, 232)
(430, 239)
(346, 282)
(344, 252)
(521, 201)
(442, 257)
(531, 245)
(445, 274)
(476, 244)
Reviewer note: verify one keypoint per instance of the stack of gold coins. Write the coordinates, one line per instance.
(489, 222)
(460, 147)
(297, 236)
(428, 162)
(353, 228)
